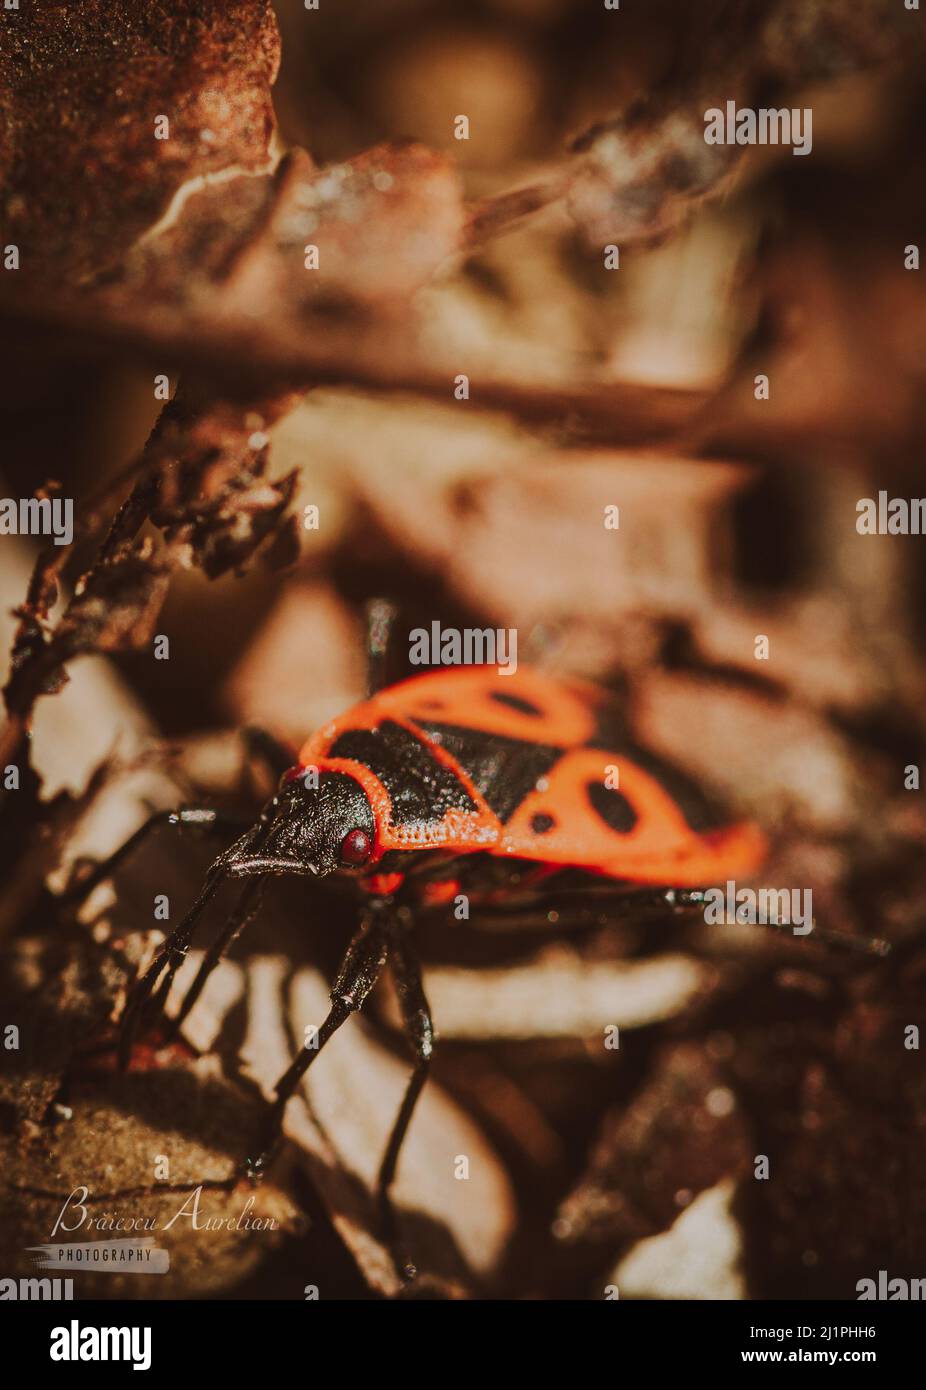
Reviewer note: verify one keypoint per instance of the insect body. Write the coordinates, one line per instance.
(459, 778)
(523, 767)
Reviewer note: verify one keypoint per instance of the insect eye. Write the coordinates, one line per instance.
(356, 847)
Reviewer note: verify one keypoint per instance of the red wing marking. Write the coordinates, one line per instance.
(560, 825)
(526, 705)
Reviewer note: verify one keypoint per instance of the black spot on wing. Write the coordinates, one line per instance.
(612, 806)
(503, 770)
(516, 702)
(421, 789)
(701, 810)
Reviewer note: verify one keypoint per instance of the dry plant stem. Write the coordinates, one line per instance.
(361, 357)
(202, 475)
(503, 212)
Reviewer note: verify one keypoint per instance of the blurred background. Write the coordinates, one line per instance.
(588, 388)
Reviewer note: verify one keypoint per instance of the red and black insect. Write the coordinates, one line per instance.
(457, 781)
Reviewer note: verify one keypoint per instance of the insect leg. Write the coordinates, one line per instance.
(245, 910)
(416, 1017)
(573, 908)
(170, 956)
(692, 899)
(161, 973)
(834, 940)
(597, 906)
(259, 743)
(202, 818)
(357, 975)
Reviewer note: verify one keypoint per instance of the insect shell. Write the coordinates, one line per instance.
(527, 768)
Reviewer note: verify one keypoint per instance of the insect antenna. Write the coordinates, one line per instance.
(838, 940)
(845, 941)
(245, 911)
(171, 955)
(150, 993)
